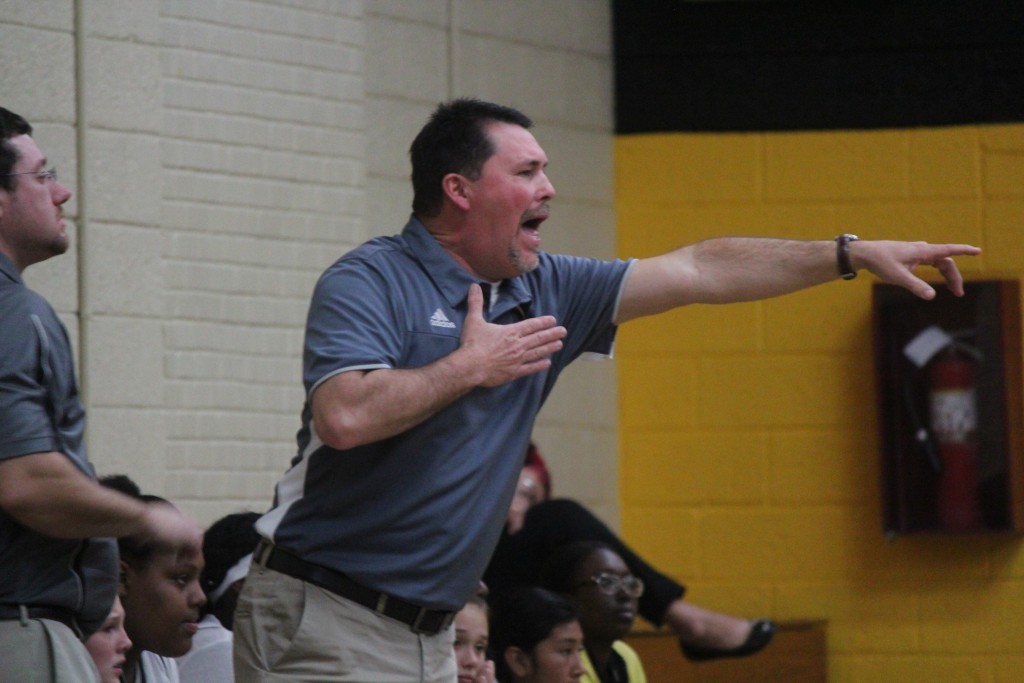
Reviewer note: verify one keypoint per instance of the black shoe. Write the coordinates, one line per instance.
(760, 635)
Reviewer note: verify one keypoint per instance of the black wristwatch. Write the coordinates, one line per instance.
(846, 270)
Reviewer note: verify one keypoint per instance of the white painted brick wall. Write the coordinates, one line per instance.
(263, 158)
(230, 151)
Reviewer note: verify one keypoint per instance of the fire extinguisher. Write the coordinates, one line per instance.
(954, 420)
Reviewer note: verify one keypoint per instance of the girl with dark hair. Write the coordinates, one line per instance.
(604, 594)
(535, 637)
(161, 597)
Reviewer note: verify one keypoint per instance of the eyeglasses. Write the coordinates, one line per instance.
(609, 584)
(48, 174)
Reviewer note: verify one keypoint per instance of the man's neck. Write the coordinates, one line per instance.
(4, 251)
(449, 235)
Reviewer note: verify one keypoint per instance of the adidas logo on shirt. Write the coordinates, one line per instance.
(439, 319)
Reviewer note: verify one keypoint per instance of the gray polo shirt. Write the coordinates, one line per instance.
(418, 515)
(40, 412)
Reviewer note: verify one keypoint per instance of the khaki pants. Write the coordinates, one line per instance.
(287, 630)
(43, 651)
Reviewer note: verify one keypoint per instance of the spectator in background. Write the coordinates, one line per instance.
(109, 646)
(538, 525)
(535, 637)
(227, 550)
(161, 596)
(471, 640)
(604, 594)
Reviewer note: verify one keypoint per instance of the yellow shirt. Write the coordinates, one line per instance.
(634, 669)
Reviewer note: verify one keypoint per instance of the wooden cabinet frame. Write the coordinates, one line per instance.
(989, 319)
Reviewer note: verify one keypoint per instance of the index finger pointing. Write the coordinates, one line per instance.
(947, 250)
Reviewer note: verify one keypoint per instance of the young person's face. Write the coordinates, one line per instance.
(162, 601)
(556, 659)
(109, 646)
(605, 618)
(470, 642)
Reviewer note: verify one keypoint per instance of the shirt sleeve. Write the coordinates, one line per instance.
(352, 324)
(27, 425)
(587, 295)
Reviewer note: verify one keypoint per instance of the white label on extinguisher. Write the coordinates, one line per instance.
(953, 414)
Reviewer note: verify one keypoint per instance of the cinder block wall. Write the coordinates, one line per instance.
(748, 432)
(222, 154)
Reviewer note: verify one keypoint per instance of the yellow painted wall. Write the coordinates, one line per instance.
(749, 432)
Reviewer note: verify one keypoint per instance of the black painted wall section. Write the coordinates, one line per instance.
(763, 65)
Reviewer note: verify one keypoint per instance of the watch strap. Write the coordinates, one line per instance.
(846, 270)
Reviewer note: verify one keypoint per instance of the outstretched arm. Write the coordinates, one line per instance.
(355, 408)
(732, 269)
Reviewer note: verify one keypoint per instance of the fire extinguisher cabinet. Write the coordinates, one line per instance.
(948, 377)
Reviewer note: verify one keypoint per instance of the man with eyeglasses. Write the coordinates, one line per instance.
(58, 564)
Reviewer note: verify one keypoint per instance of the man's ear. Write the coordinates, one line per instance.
(518, 661)
(458, 190)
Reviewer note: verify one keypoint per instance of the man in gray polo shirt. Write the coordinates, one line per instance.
(427, 357)
(58, 574)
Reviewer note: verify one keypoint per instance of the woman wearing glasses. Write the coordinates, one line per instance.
(605, 595)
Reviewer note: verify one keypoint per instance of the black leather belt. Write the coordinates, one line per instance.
(418, 619)
(61, 614)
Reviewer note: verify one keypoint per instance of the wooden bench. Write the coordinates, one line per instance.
(797, 654)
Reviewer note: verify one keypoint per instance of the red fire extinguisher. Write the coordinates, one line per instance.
(954, 421)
